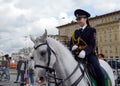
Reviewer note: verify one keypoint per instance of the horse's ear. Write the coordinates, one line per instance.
(32, 38)
(44, 36)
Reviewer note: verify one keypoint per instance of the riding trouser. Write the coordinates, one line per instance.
(93, 60)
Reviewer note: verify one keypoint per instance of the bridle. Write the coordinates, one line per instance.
(49, 53)
(52, 72)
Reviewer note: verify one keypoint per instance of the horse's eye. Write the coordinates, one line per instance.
(42, 53)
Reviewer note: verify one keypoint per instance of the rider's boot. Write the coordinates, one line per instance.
(101, 82)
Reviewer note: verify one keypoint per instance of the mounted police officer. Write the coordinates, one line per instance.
(83, 43)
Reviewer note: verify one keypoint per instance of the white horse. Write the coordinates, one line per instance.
(50, 53)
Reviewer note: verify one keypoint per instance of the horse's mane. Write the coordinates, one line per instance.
(62, 52)
(58, 46)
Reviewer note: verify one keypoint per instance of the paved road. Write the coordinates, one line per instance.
(11, 83)
(12, 79)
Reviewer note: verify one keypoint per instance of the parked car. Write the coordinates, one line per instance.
(115, 64)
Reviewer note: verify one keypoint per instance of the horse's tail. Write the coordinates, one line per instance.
(109, 71)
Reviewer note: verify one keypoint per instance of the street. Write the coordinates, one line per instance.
(12, 79)
(13, 73)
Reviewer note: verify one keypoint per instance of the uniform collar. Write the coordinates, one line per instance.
(84, 27)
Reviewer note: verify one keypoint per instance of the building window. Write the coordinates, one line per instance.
(115, 17)
(104, 31)
(110, 46)
(66, 31)
(108, 18)
(101, 20)
(110, 35)
(105, 51)
(115, 36)
(110, 51)
(110, 30)
(100, 51)
(105, 40)
(100, 38)
(116, 50)
(110, 40)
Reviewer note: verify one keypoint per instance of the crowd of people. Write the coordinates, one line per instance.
(25, 70)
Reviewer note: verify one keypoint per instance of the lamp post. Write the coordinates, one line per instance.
(1, 53)
(25, 51)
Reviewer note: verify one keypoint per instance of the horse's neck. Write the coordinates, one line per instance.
(64, 57)
(64, 68)
(65, 64)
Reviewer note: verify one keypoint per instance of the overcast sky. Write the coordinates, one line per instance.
(20, 18)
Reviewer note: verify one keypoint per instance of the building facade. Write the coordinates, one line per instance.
(62, 38)
(108, 33)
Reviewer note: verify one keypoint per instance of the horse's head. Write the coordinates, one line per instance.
(43, 55)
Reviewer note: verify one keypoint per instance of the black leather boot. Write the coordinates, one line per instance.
(101, 82)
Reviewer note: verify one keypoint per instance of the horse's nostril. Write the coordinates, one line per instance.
(42, 78)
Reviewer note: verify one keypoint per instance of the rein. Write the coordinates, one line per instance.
(52, 70)
(63, 80)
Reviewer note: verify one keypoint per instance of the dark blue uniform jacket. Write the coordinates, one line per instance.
(89, 36)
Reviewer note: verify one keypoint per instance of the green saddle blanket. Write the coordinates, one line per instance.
(92, 76)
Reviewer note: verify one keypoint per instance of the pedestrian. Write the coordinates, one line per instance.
(18, 69)
(26, 75)
(83, 43)
(22, 69)
(3, 73)
(102, 56)
(31, 65)
(7, 67)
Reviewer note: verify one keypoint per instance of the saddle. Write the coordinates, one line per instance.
(91, 74)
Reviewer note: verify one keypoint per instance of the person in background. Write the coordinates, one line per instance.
(22, 69)
(7, 67)
(101, 56)
(18, 69)
(31, 65)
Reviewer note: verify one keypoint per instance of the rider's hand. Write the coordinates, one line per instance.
(82, 54)
(74, 47)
